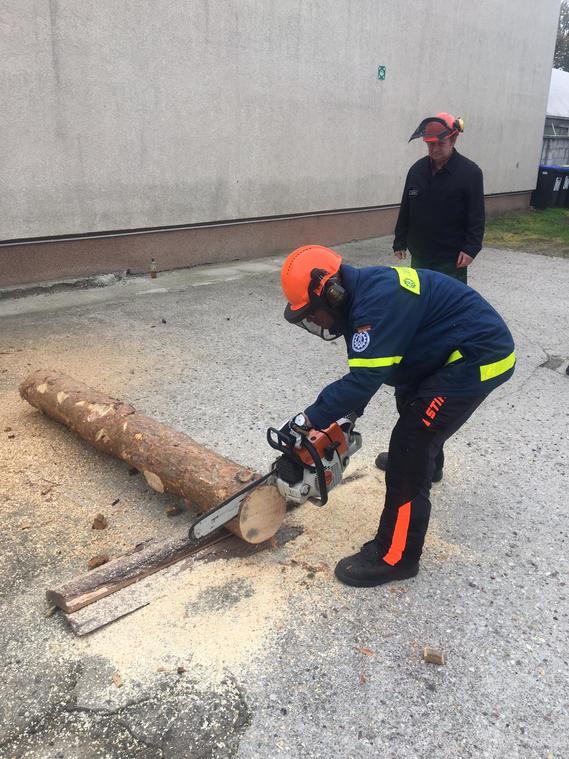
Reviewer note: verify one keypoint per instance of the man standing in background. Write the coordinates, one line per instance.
(441, 219)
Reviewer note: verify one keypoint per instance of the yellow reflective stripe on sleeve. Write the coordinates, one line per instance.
(408, 278)
(372, 363)
(489, 371)
(454, 356)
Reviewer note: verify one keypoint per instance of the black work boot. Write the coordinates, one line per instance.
(366, 569)
(381, 463)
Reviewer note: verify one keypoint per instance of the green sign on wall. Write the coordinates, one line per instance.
(381, 71)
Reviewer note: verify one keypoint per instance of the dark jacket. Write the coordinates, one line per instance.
(443, 213)
(420, 331)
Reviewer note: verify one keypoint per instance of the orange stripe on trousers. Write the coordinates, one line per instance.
(399, 535)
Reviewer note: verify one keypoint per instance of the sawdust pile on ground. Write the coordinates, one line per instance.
(217, 617)
(351, 519)
(224, 615)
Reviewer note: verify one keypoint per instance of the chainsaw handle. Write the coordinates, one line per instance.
(322, 487)
(284, 443)
(279, 440)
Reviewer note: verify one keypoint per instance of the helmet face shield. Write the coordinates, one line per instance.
(313, 303)
(438, 128)
(322, 332)
(304, 318)
(294, 316)
(432, 129)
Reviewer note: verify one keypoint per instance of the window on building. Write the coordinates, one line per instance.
(555, 130)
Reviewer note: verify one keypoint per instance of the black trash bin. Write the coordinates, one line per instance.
(549, 184)
(565, 188)
(562, 198)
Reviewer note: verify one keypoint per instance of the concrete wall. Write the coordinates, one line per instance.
(145, 113)
(56, 259)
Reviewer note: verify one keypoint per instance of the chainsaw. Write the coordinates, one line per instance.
(309, 466)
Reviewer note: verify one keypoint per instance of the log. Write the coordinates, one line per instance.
(170, 461)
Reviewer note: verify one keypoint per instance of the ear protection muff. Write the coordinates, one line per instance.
(459, 124)
(334, 293)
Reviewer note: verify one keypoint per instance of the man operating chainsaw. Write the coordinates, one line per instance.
(437, 341)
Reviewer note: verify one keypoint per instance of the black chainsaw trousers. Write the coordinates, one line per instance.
(415, 451)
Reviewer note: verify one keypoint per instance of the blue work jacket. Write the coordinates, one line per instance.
(419, 331)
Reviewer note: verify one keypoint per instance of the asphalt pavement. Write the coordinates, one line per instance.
(270, 657)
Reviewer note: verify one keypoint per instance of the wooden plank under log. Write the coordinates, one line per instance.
(127, 569)
(125, 600)
(170, 461)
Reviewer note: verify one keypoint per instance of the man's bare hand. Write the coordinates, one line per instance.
(463, 260)
(400, 254)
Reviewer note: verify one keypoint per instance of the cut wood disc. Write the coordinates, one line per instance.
(261, 515)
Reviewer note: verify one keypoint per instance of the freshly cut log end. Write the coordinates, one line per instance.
(262, 513)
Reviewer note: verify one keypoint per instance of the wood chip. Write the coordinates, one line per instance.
(97, 561)
(365, 651)
(50, 611)
(245, 475)
(433, 656)
(363, 679)
(7, 429)
(47, 490)
(100, 522)
(172, 510)
(117, 680)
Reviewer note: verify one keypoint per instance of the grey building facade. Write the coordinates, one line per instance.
(222, 129)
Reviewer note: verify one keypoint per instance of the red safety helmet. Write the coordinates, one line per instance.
(438, 128)
(309, 278)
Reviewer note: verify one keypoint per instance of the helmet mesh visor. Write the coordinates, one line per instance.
(314, 329)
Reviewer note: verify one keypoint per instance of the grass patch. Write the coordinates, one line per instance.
(545, 232)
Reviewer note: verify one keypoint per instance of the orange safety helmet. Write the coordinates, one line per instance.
(438, 128)
(309, 278)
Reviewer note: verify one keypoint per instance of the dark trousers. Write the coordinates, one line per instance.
(415, 451)
(444, 267)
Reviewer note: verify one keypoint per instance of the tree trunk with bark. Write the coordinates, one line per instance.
(170, 461)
